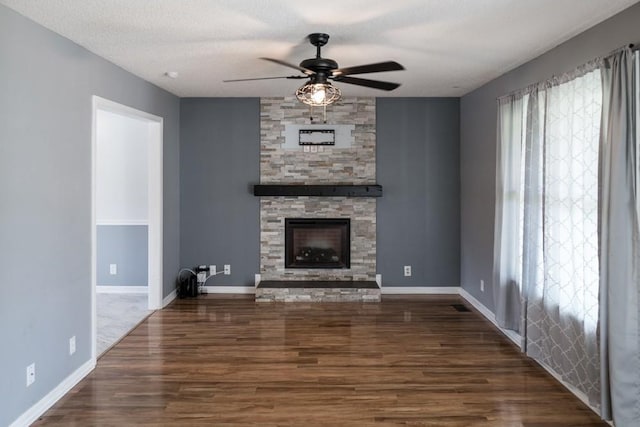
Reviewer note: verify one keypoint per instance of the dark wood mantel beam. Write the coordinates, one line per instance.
(317, 190)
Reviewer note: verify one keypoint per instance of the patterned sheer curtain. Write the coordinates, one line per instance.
(547, 224)
(561, 228)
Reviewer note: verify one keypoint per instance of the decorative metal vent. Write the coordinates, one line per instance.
(460, 307)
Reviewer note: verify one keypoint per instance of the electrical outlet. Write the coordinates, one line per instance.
(212, 270)
(72, 345)
(201, 277)
(113, 269)
(31, 374)
(481, 285)
(407, 271)
(227, 269)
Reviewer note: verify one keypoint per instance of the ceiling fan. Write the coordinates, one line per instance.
(318, 90)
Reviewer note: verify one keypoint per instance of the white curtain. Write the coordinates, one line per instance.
(508, 229)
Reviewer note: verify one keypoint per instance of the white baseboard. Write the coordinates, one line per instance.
(229, 289)
(122, 289)
(167, 300)
(488, 314)
(123, 222)
(420, 290)
(33, 413)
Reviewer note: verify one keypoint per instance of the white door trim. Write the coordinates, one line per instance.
(155, 170)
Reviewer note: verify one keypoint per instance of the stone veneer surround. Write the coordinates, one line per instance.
(354, 165)
(318, 295)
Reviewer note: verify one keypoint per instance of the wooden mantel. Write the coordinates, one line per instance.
(373, 190)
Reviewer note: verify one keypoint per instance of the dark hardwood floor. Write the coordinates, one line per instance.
(411, 360)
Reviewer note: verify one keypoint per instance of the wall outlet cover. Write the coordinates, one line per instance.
(31, 374)
(72, 345)
(407, 271)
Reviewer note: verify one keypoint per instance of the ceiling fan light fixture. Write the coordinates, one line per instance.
(318, 94)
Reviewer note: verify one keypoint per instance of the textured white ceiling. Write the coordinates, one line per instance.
(448, 47)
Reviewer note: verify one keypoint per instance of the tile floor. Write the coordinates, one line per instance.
(117, 315)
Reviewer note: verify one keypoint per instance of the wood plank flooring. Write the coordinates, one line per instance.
(408, 361)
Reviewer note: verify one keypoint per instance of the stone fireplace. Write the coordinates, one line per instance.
(350, 164)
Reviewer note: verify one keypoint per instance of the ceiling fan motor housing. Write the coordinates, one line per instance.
(322, 67)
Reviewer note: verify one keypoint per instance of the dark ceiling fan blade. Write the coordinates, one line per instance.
(369, 68)
(376, 84)
(265, 78)
(286, 64)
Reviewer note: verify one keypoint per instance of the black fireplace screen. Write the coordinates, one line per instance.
(317, 243)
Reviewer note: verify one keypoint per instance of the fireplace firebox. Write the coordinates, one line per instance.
(317, 243)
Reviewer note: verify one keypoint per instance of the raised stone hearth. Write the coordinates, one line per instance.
(317, 291)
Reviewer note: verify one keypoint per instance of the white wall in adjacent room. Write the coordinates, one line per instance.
(121, 161)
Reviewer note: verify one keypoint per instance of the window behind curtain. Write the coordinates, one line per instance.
(556, 230)
(570, 199)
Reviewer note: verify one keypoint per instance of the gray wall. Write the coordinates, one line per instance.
(220, 160)
(45, 192)
(417, 152)
(417, 164)
(127, 247)
(478, 138)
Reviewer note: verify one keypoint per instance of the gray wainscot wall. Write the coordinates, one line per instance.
(126, 247)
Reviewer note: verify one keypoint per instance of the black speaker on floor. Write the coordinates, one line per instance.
(187, 285)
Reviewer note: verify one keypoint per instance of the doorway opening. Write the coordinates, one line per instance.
(127, 243)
